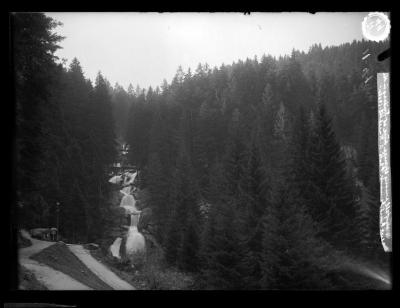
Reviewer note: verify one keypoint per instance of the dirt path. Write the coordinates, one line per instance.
(52, 279)
(99, 269)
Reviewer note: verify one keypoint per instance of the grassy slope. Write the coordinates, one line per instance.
(148, 275)
(121, 270)
(59, 257)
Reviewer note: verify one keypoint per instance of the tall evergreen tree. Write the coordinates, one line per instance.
(34, 45)
(332, 196)
(293, 256)
(160, 195)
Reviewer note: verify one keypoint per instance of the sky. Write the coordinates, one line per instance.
(146, 48)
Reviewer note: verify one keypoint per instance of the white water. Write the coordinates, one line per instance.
(126, 190)
(135, 241)
(115, 179)
(128, 202)
(115, 247)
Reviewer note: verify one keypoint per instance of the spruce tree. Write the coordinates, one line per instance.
(189, 251)
(331, 191)
(222, 268)
(159, 201)
(34, 44)
(293, 256)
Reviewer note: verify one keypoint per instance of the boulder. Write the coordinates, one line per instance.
(118, 231)
(145, 218)
(151, 229)
(151, 242)
(122, 250)
(115, 197)
(142, 196)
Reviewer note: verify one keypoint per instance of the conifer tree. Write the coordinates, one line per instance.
(189, 251)
(103, 120)
(34, 44)
(159, 201)
(293, 256)
(367, 222)
(222, 267)
(332, 192)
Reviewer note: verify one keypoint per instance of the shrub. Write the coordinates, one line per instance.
(158, 277)
(138, 259)
(166, 279)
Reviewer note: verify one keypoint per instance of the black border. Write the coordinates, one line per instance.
(128, 298)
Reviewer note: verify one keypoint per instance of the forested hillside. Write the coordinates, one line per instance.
(264, 172)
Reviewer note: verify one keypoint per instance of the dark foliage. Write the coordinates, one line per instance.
(65, 136)
(270, 153)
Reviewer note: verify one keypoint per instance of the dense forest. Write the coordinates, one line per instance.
(65, 135)
(261, 174)
(264, 173)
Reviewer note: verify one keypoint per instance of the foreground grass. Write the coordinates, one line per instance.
(122, 270)
(147, 271)
(60, 258)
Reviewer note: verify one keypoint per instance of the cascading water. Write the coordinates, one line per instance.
(128, 203)
(126, 190)
(135, 241)
(115, 247)
(134, 220)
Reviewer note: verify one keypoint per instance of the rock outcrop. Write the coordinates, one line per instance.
(91, 246)
(145, 219)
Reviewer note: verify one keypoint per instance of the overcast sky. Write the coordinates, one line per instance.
(145, 48)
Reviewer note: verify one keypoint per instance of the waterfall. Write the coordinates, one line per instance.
(134, 220)
(128, 202)
(134, 239)
(126, 190)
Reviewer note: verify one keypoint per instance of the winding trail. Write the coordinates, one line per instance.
(99, 269)
(56, 280)
(49, 277)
